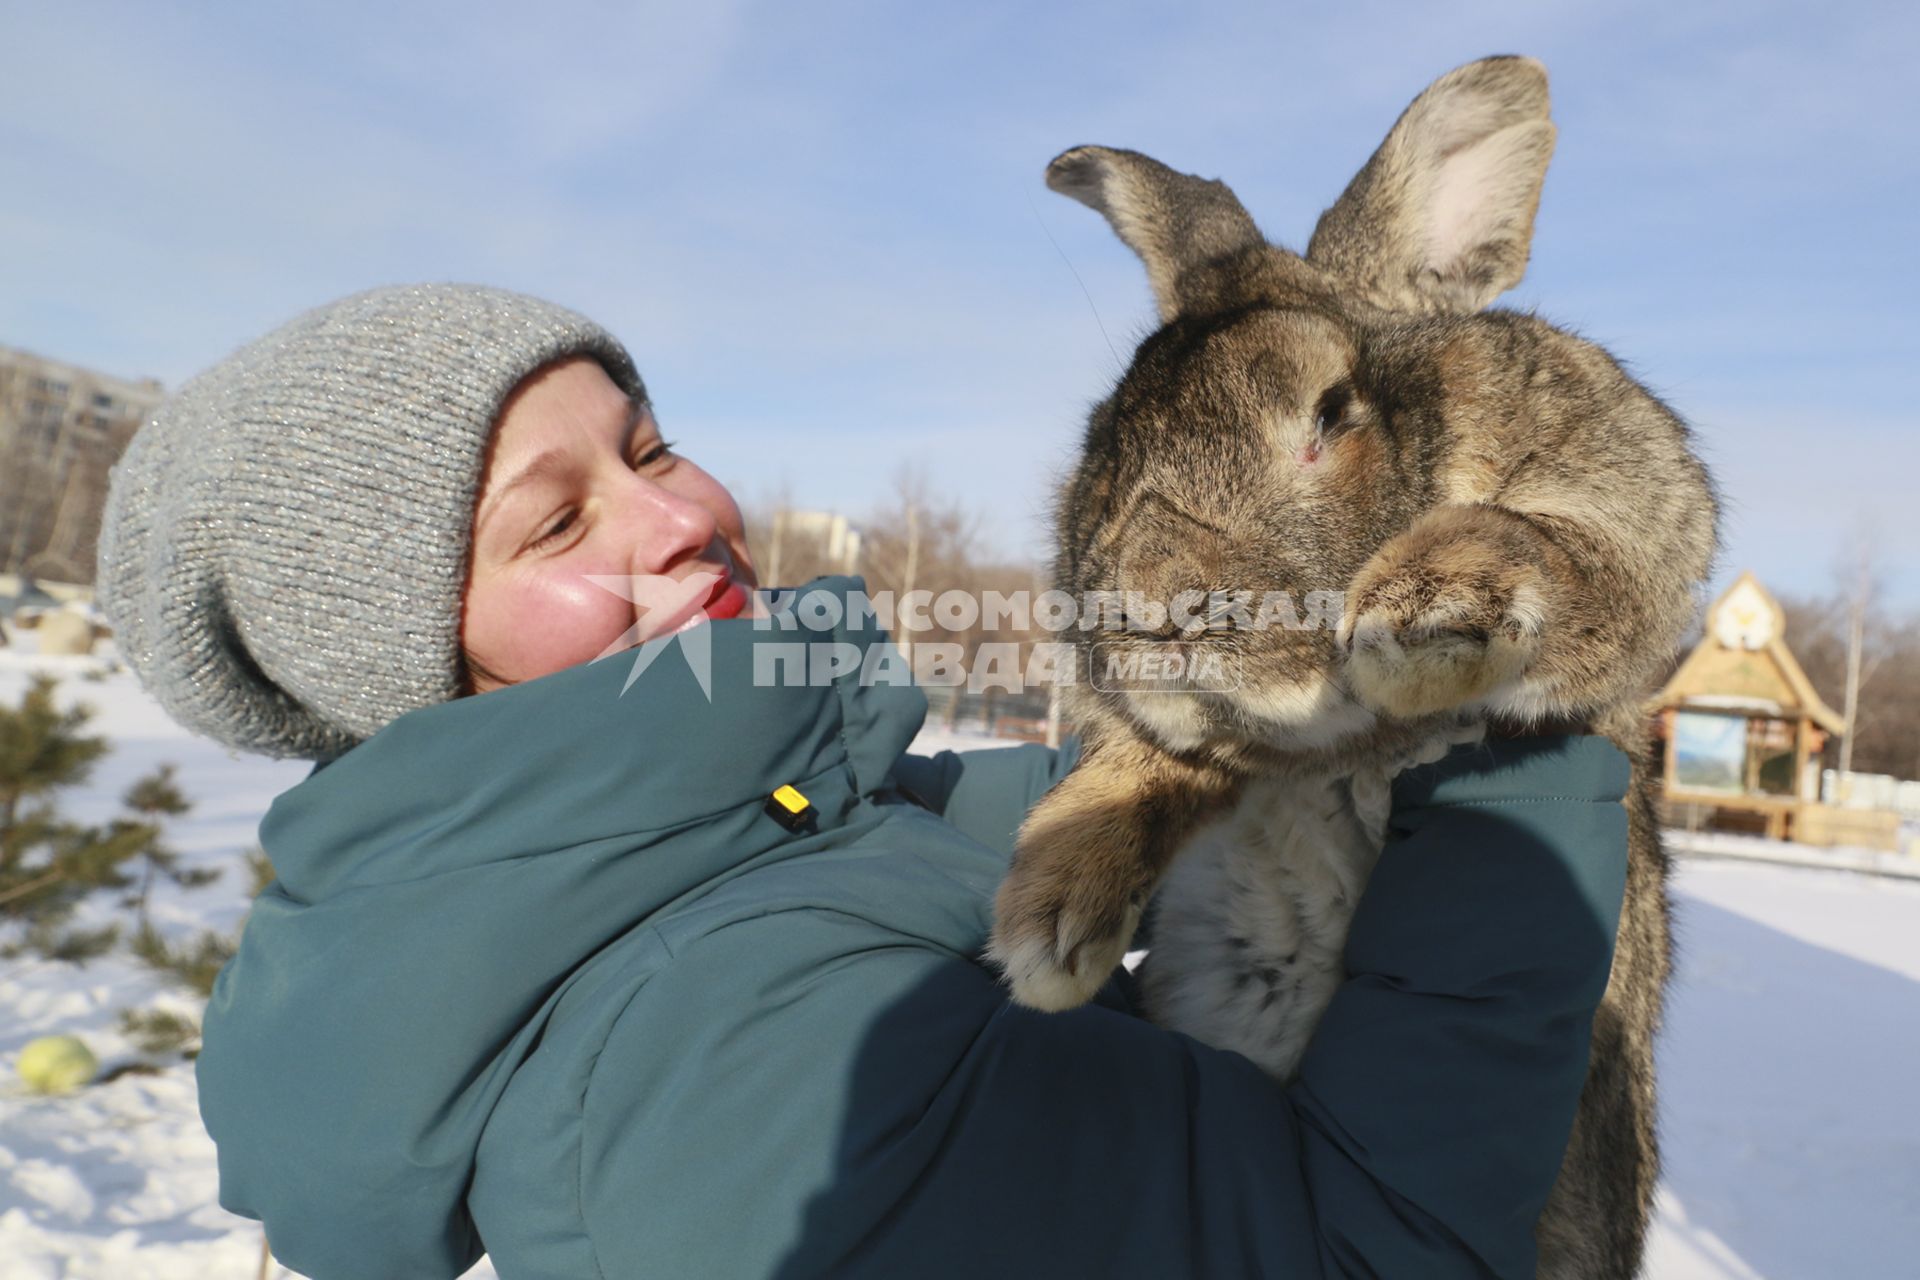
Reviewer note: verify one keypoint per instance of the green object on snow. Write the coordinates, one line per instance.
(56, 1064)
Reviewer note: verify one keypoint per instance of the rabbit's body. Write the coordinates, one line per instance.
(1250, 922)
(1515, 528)
(1248, 929)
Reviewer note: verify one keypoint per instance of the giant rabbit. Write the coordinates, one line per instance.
(1517, 530)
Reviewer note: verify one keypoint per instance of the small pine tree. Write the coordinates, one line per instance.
(47, 864)
(70, 946)
(160, 1032)
(260, 868)
(42, 749)
(154, 797)
(195, 965)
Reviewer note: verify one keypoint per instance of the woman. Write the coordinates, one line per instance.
(548, 973)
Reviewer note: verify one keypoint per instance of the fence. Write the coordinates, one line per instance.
(1871, 791)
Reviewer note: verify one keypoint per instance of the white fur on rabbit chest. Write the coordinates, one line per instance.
(1250, 922)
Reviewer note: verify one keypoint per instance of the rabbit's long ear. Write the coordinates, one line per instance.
(1441, 218)
(1177, 223)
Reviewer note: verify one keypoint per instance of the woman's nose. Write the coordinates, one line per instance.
(667, 527)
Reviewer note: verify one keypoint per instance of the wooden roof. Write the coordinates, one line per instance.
(1742, 663)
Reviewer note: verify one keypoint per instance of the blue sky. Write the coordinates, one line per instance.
(822, 230)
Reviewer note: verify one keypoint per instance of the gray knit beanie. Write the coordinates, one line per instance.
(285, 542)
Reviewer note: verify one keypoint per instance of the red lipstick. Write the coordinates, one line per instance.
(726, 600)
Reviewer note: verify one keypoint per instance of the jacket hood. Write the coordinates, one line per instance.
(441, 884)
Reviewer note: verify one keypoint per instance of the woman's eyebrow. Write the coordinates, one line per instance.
(552, 461)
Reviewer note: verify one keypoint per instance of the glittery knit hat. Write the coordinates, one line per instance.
(285, 542)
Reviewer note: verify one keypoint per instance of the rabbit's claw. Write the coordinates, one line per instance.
(1438, 631)
(1058, 935)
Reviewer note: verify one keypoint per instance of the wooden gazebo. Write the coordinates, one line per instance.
(1743, 727)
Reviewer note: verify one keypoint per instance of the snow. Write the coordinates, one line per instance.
(1792, 1141)
(934, 739)
(1743, 848)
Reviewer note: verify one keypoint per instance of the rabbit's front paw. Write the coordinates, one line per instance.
(1062, 921)
(1435, 623)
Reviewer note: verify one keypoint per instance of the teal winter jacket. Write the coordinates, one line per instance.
(542, 975)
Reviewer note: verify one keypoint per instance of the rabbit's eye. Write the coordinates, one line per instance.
(1332, 413)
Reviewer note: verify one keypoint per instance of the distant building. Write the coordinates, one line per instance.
(61, 428)
(825, 539)
(1744, 732)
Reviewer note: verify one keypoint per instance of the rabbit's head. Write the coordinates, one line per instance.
(1286, 419)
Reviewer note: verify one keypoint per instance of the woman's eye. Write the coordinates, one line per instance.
(657, 452)
(560, 526)
(660, 450)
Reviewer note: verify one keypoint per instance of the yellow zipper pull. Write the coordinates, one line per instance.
(790, 809)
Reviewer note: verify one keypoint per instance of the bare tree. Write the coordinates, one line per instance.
(1865, 658)
(1861, 577)
(920, 542)
(791, 544)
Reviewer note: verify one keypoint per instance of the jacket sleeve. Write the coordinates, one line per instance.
(898, 1117)
(986, 793)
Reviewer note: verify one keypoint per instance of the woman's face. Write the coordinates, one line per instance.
(579, 484)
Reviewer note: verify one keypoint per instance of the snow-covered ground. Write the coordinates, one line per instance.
(1792, 1138)
(1792, 1135)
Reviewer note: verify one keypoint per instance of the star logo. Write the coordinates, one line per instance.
(657, 596)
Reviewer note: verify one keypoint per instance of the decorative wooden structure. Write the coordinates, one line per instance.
(1743, 726)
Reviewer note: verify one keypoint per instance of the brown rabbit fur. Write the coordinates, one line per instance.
(1518, 528)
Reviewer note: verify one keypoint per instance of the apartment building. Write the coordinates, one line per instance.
(61, 428)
